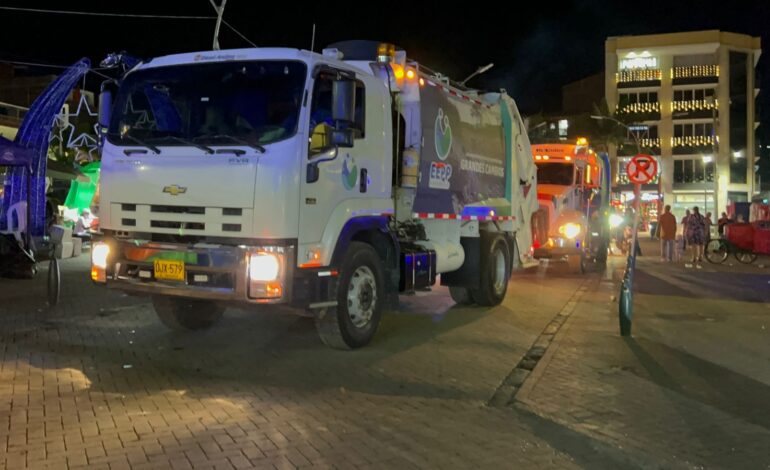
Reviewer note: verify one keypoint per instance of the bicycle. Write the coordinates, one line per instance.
(719, 249)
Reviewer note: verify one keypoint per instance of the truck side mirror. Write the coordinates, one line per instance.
(344, 101)
(105, 109)
(343, 137)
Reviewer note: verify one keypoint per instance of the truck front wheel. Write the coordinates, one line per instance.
(360, 294)
(495, 271)
(186, 314)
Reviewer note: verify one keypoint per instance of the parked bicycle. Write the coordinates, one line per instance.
(719, 249)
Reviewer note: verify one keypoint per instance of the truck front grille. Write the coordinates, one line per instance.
(177, 225)
(164, 219)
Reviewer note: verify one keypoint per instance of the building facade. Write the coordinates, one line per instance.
(692, 98)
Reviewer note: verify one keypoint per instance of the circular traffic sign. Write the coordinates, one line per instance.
(642, 169)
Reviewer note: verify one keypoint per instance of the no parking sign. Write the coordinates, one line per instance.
(642, 169)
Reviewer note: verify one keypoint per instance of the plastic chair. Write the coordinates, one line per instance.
(16, 220)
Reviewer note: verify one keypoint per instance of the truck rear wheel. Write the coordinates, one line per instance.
(178, 313)
(461, 295)
(360, 294)
(495, 271)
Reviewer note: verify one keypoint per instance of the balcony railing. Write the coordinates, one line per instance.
(695, 71)
(694, 105)
(638, 75)
(693, 141)
(640, 108)
(11, 115)
(650, 142)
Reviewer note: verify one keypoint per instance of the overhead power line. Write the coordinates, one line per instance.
(238, 33)
(53, 66)
(95, 13)
(127, 15)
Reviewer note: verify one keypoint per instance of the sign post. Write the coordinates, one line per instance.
(641, 170)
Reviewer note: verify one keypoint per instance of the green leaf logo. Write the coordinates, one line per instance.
(349, 172)
(443, 135)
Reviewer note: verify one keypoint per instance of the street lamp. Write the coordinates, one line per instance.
(478, 71)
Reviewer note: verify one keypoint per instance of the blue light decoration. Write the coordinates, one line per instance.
(482, 211)
(34, 134)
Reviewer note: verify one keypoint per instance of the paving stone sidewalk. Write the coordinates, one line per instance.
(690, 389)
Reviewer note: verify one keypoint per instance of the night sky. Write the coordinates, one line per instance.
(535, 52)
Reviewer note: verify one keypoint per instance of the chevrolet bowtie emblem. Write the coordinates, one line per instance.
(174, 190)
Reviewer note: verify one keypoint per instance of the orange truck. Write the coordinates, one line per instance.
(573, 195)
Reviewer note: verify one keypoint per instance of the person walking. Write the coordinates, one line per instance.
(667, 228)
(709, 224)
(684, 229)
(695, 235)
(724, 220)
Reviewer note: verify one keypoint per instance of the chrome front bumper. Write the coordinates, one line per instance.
(215, 272)
(559, 247)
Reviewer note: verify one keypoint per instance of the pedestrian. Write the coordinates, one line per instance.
(684, 228)
(695, 235)
(667, 227)
(709, 224)
(724, 220)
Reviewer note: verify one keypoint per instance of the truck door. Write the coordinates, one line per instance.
(345, 180)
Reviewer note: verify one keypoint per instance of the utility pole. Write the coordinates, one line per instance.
(220, 12)
(715, 151)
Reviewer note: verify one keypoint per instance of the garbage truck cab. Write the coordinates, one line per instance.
(329, 183)
(573, 195)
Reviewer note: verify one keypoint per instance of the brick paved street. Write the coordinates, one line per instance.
(99, 383)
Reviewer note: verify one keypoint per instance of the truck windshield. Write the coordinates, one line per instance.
(555, 173)
(254, 102)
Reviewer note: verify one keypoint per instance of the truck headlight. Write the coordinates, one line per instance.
(570, 230)
(99, 254)
(265, 274)
(264, 267)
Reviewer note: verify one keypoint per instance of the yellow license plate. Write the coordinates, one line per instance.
(170, 270)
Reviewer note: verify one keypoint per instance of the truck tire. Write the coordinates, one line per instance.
(360, 296)
(181, 314)
(495, 272)
(461, 295)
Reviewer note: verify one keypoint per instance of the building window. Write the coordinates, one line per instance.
(737, 196)
(694, 170)
(698, 134)
(639, 102)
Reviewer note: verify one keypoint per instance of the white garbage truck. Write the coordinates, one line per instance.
(329, 183)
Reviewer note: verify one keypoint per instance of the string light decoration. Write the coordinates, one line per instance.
(638, 75)
(65, 132)
(692, 141)
(650, 142)
(641, 108)
(694, 105)
(695, 71)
